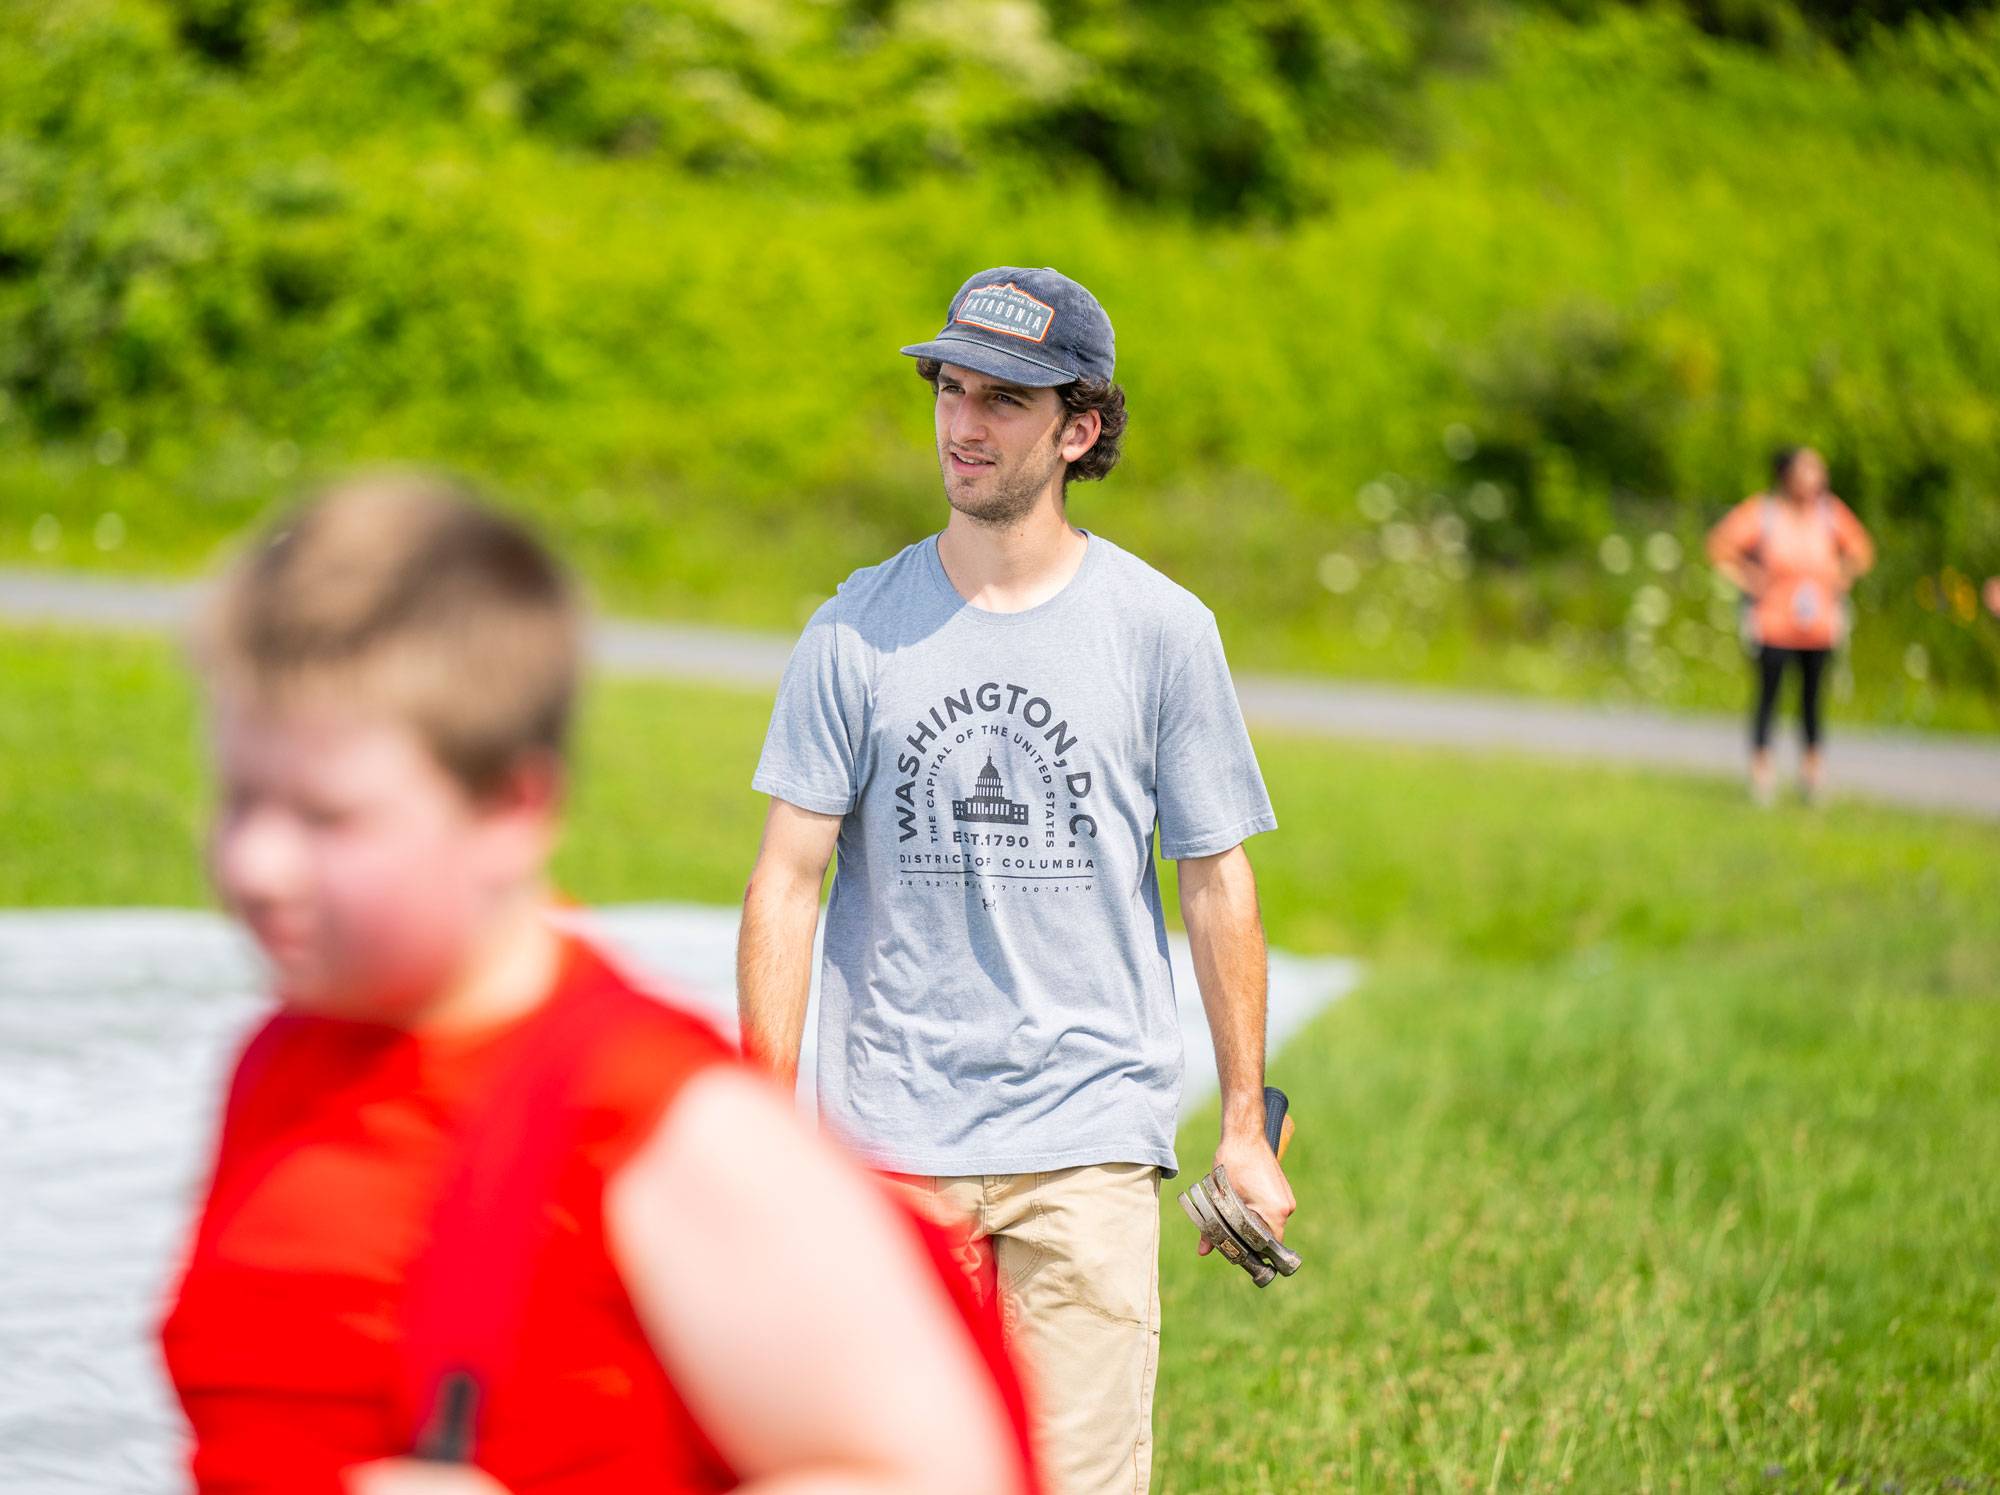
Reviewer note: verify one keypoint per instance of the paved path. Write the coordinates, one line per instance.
(1932, 771)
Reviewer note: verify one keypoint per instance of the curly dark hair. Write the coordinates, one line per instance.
(1101, 395)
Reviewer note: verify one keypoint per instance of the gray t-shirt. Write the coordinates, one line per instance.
(996, 996)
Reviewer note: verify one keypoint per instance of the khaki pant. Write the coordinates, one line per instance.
(1075, 1257)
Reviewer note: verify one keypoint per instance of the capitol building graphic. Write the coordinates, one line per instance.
(989, 804)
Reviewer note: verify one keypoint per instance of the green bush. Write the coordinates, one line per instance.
(645, 266)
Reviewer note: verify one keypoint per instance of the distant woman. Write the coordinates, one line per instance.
(1794, 552)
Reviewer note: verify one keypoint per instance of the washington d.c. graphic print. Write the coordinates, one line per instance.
(991, 790)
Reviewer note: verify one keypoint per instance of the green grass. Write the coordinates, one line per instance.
(101, 789)
(98, 779)
(1653, 1154)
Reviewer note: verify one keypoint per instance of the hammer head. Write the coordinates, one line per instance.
(1230, 1225)
(1236, 1230)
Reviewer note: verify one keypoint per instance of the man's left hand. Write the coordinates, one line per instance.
(1258, 1180)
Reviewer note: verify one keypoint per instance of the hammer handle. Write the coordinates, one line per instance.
(1276, 1104)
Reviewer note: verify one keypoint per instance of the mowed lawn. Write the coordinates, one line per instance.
(1658, 1151)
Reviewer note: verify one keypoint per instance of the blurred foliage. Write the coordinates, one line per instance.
(1789, 24)
(1429, 313)
(1219, 108)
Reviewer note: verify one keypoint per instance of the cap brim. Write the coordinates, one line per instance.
(995, 363)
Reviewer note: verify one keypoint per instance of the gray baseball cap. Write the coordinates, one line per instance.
(1032, 327)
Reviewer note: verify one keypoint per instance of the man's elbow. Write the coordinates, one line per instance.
(777, 886)
(757, 888)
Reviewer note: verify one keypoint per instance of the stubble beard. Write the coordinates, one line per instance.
(1014, 494)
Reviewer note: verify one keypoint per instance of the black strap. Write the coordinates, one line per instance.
(468, 1292)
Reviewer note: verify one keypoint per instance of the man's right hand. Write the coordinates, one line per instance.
(1259, 1180)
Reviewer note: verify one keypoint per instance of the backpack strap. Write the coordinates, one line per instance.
(468, 1292)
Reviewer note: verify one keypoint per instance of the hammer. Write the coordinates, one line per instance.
(1230, 1225)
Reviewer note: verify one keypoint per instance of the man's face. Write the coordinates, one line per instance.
(363, 869)
(1000, 445)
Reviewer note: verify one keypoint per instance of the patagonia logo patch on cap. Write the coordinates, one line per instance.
(1006, 309)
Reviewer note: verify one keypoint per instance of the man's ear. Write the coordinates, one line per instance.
(1080, 433)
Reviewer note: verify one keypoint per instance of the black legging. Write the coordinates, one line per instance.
(1770, 675)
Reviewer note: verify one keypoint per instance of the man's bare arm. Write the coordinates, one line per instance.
(1226, 934)
(774, 945)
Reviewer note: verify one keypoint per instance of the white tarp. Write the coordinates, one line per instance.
(116, 1030)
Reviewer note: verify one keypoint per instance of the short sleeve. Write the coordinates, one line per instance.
(812, 750)
(1208, 787)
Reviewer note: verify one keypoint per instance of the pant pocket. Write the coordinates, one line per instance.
(1098, 1230)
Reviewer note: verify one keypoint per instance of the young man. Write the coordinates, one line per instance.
(988, 726)
(475, 1195)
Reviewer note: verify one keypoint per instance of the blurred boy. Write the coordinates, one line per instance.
(474, 1193)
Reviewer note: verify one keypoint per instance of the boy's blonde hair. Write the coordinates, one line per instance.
(407, 593)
